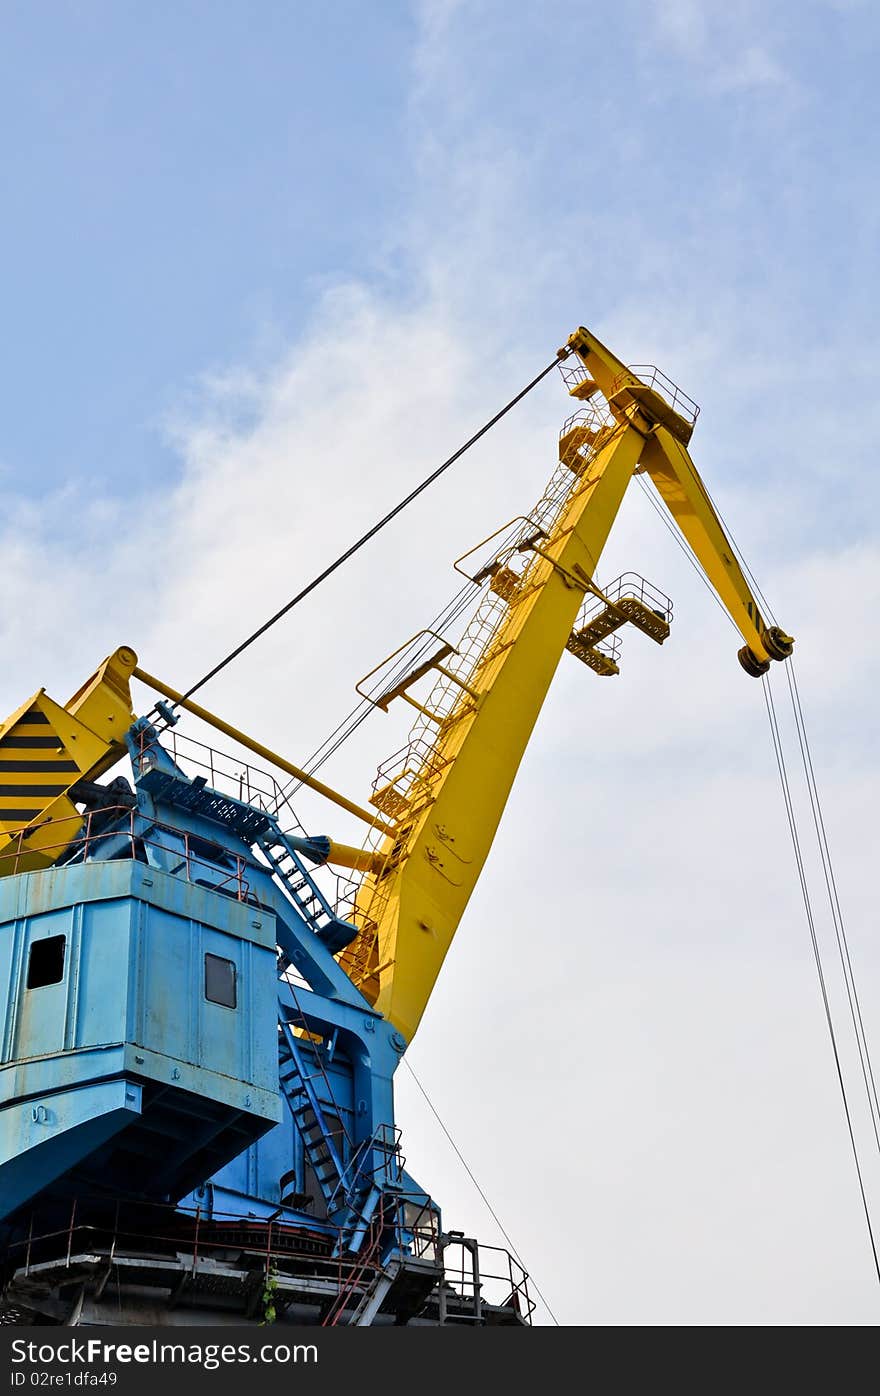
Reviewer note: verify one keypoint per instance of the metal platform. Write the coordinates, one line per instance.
(155, 1266)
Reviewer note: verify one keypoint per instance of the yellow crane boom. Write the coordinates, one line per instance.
(454, 779)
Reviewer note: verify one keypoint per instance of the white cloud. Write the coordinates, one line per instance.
(685, 25)
(754, 67)
(727, 43)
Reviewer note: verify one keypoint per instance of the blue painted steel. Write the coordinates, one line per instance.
(297, 931)
(43, 1140)
(212, 1202)
(131, 1007)
(172, 787)
(191, 872)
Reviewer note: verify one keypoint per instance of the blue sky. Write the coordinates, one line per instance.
(179, 178)
(182, 181)
(265, 265)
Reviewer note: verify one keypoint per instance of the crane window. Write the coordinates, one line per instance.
(46, 962)
(220, 986)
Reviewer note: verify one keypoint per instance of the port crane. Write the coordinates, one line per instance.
(284, 1113)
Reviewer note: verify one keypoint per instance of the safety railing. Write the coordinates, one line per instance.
(231, 775)
(377, 1160)
(197, 1240)
(627, 584)
(573, 374)
(118, 832)
(657, 381)
(224, 772)
(484, 1275)
(610, 647)
(593, 416)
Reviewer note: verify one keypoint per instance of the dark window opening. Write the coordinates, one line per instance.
(46, 962)
(220, 981)
(207, 852)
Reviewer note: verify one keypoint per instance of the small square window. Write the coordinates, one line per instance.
(46, 962)
(220, 981)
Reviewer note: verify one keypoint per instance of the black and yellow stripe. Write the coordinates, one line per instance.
(30, 777)
(30, 743)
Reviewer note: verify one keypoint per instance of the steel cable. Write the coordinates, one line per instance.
(837, 920)
(851, 990)
(817, 956)
(371, 533)
(514, 1252)
(843, 950)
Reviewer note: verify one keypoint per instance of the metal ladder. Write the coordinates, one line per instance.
(385, 1271)
(308, 898)
(308, 1115)
(374, 1295)
(350, 1194)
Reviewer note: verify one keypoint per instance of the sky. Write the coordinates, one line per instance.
(264, 267)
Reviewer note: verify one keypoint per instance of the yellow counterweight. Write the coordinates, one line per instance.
(45, 749)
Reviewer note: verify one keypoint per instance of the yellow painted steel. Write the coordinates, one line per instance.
(684, 494)
(666, 460)
(408, 913)
(343, 855)
(434, 865)
(45, 749)
(263, 751)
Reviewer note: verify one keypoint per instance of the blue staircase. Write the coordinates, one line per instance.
(350, 1194)
(308, 898)
(308, 1115)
